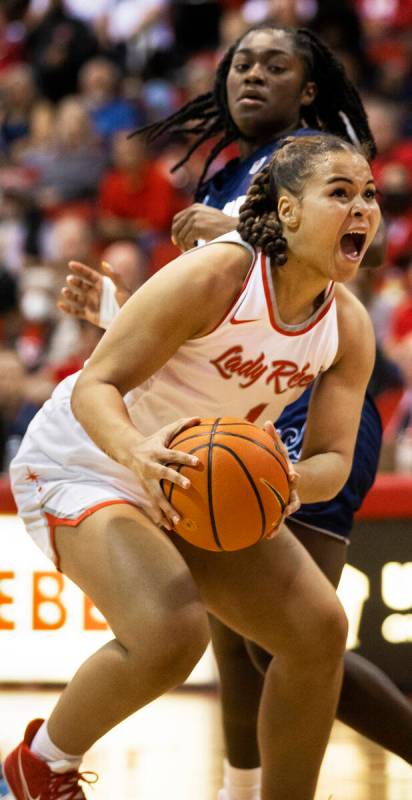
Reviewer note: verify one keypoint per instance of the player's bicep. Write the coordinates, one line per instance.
(333, 419)
(337, 399)
(165, 312)
(147, 331)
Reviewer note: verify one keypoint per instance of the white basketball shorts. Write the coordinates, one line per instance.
(59, 477)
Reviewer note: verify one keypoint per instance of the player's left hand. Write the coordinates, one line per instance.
(293, 477)
(200, 222)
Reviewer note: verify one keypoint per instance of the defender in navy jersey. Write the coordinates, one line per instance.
(227, 189)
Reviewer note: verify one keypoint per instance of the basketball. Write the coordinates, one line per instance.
(239, 490)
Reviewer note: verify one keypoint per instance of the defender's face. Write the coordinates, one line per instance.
(266, 86)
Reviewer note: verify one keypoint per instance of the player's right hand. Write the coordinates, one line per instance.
(81, 295)
(150, 461)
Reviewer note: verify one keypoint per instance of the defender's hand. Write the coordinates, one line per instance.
(200, 222)
(82, 293)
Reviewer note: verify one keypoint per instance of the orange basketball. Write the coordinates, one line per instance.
(239, 490)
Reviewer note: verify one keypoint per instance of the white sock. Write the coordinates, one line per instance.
(242, 784)
(58, 761)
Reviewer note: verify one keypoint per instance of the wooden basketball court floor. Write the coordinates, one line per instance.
(173, 749)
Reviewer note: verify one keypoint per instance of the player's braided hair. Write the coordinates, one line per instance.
(337, 107)
(290, 167)
(259, 223)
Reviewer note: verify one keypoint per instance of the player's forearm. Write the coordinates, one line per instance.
(100, 410)
(322, 476)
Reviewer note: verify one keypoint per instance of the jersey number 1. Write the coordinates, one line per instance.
(255, 412)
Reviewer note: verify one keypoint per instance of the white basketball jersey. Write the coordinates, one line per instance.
(251, 365)
(250, 361)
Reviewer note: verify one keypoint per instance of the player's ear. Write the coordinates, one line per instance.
(288, 211)
(309, 93)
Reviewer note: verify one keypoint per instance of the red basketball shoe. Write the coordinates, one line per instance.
(30, 778)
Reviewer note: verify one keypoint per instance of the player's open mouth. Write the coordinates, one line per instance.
(351, 244)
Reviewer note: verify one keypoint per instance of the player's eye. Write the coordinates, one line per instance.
(241, 66)
(276, 69)
(370, 194)
(339, 192)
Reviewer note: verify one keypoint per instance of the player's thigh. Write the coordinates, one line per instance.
(272, 593)
(129, 569)
(329, 552)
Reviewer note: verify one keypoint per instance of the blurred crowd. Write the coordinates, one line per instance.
(75, 79)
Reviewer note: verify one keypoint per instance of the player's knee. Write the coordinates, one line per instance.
(184, 637)
(329, 634)
(316, 643)
(191, 637)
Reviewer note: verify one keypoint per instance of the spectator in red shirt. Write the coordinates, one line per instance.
(136, 197)
(401, 321)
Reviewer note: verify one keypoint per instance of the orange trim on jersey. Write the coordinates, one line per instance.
(268, 297)
(243, 287)
(53, 522)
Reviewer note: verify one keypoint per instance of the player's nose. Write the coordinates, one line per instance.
(255, 73)
(360, 207)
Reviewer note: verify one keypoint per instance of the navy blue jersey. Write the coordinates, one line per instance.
(336, 515)
(226, 191)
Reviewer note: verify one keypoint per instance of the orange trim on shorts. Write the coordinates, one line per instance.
(53, 522)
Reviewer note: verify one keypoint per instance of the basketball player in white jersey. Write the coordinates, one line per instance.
(291, 75)
(238, 322)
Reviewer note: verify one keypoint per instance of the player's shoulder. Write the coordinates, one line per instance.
(225, 260)
(217, 269)
(228, 249)
(216, 274)
(350, 309)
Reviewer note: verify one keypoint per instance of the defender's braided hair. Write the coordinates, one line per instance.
(290, 167)
(337, 107)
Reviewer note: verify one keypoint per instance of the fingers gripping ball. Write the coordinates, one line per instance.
(239, 490)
